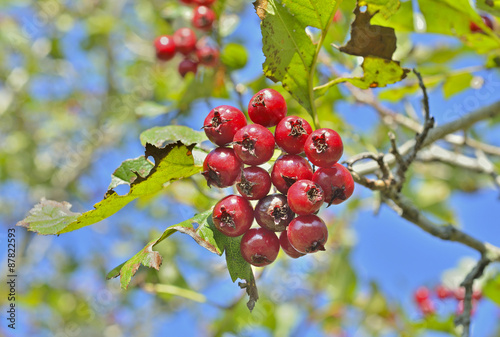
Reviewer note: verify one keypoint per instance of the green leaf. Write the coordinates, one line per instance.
(234, 56)
(151, 109)
(492, 289)
(173, 162)
(386, 8)
(161, 135)
(456, 83)
(290, 53)
(436, 323)
(490, 6)
(401, 20)
(129, 170)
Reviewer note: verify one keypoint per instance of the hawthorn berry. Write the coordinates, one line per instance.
(307, 233)
(187, 2)
(287, 247)
(204, 2)
(421, 294)
(459, 294)
(221, 167)
(203, 18)
(273, 212)
(253, 144)
(336, 182)
(291, 134)
(185, 40)
(165, 47)
(442, 292)
(477, 295)
(254, 183)
(233, 215)
(267, 108)
(474, 28)
(222, 123)
(288, 169)
(305, 197)
(208, 56)
(259, 246)
(187, 66)
(427, 307)
(324, 147)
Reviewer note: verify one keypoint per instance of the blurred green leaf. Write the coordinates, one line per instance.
(234, 56)
(386, 8)
(150, 109)
(492, 289)
(456, 83)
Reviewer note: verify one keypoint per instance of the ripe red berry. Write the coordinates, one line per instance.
(307, 233)
(267, 108)
(204, 2)
(273, 213)
(287, 247)
(288, 169)
(305, 197)
(222, 123)
(259, 246)
(474, 28)
(421, 294)
(442, 292)
(459, 293)
(187, 66)
(336, 182)
(185, 40)
(427, 307)
(254, 183)
(477, 295)
(291, 134)
(233, 215)
(187, 2)
(208, 56)
(203, 18)
(165, 47)
(324, 147)
(254, 144)
(221, 167)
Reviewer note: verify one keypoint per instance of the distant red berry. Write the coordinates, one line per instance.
(474, 28)
(259, 246)
(291, 134)
(253, 144)
(421, 294)
(324, 147)
(336, 182)
(307, 233)
(222, 123)
(187, 2)
(459, 293)
(233, 215)
(477, 294)
(305, 197)
(203, 18)
(208, 56)
(221, 167)
(187, 66)
(254, 183)
(204, 2)
(165, 47)
(267, 108)
(427, 307)
(185, 40)
(288, 169)
(287, 246)
(442, 292)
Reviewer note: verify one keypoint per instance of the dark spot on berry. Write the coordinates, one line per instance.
(248, 144)
(337, 193)
(317, 245)
(314, 194)
(258, 100)
(319, 143)
(296, 128)
(259, 259)
(217, 122)
(212, 176)
(246, 186)
(279, 213)
(289, 181)
(226, 219)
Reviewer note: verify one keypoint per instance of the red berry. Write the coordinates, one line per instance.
(208, 56)
(291, 134)
(307, 233)
(254, 144)
(288, 169)
(474, 28)
(187, 2)
(273, 213)
(233, 215)
(185, 40)
(477, 295)
(187, 66)
(442, 292)
(287, 247)
(221, 167)
(336, 182)
(267, 108)
(421, 294)
(203, 18)
(460, 307)
(324, 147)
(427, 307)
(259, 246)
(459, 293)
(165, 47)
(222, 123)
(254, 183)
(204, 2)
(305, 197)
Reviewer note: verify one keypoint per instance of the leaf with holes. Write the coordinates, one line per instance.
(161, 135)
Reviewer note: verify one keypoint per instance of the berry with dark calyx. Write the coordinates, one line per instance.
(288, 248)
(259, 247)
(254, 183)
(336, 182)
(474, 28)
(267, 108)
(221, 167)
(204, 2)
(185, 40)
(442, 292)
(203, 18)
(421, 294)
(291, 134)
(324, 147)
(305, 197)
(288, 169)
(165, 47)
(233, 215)
(254, 144)
(222, 123)
(187, 66)
(307, 233)
(208, 56)
(273, 213)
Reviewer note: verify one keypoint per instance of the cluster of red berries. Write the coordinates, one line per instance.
(427, 305)
(184, 41)
(302, 190)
